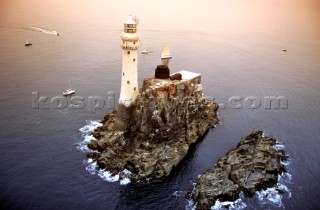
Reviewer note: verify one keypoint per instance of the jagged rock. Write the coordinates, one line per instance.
(168, 116)
(253, 165)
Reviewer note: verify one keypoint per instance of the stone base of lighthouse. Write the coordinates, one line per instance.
(122, 119)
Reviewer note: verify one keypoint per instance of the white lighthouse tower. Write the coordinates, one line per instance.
(129, 45)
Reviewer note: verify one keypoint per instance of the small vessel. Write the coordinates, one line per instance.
(28, 44)
(166, 56)
(69, 91)
(145, 52)
(166, 52)
(55, 33)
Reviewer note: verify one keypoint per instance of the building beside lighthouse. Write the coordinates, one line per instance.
(129, 45)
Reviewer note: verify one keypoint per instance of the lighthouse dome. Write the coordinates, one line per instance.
(130, 20)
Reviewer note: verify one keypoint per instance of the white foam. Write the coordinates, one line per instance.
(107, 175)
(123, 177)
(86, 138)
(270, 196)
(92, 168)
(90, 160)
(284, 188)
(286, 162)
(236, 205)
(279, 146)
(180, 193)
(91, 125)
(191, 205)
(86, 134)
(274, 195)
(286, 177)
(124, 181)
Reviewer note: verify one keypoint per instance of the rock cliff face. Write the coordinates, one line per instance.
(168, 116)
(253, 165)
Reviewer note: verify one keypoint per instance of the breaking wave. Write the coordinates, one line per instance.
(123, 177)
(91, 165)
(237, 204)
(86, 134)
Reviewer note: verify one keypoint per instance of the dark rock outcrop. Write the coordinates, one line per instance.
(168, 116)
(253, 165)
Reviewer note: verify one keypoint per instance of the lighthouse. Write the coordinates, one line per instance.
(129, 45)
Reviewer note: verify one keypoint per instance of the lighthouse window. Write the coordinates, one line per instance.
(123, 73)
(128, 82)
(128, 52)
(134, 60)
(134, 88)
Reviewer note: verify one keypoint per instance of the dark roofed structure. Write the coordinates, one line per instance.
(176, 76)
(162, 72)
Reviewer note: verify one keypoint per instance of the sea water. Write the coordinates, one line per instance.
(245, 50)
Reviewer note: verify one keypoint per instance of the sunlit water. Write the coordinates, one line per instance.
(237, 46)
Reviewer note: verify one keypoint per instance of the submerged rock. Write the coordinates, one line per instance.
(253, 165)
(152, 137)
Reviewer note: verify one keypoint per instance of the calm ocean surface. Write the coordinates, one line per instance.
(237, 46)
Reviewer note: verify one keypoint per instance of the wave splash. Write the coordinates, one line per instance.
(123, 177)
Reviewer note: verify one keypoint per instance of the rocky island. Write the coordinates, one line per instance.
(153, 127)
(168, 116)
(252, 166)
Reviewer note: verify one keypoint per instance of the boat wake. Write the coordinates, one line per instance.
(91, 166)
(32, 28)
(44, 31)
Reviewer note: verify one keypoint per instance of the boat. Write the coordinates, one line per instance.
(166, 52)
(69, 91)
(145, 52)
(56, 33)
(28, 44)
(166, 56)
